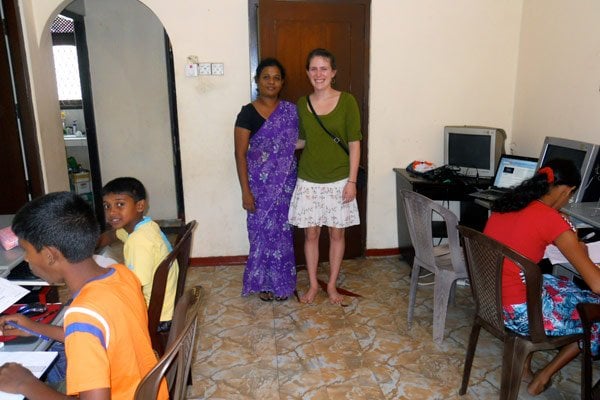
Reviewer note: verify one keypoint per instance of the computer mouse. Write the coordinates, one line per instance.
(32, 309)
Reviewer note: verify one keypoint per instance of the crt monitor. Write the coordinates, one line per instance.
(473, 150)
(582, 154)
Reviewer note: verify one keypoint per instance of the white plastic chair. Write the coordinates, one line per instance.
(446, 262)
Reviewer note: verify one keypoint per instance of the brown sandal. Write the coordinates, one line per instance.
(266, 296)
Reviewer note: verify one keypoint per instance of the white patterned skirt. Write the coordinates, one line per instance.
(320, 204)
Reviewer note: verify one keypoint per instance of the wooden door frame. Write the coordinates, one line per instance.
(14, 30)
(87, 104)
(255, 57)
(175, 139)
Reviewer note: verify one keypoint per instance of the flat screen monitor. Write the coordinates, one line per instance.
(473, 150)
(582, 154)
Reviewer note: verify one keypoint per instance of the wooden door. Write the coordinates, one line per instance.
(20, 172)
(289, 30)
(12, 169)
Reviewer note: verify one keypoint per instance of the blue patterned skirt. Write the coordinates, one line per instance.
(559, 300)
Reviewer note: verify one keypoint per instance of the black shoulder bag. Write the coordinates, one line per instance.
(361, 176)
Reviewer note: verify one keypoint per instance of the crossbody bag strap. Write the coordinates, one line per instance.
(335, 138)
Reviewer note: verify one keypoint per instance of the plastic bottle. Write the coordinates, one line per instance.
(74, 126)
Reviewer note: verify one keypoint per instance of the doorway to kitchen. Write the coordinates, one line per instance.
(123, 121)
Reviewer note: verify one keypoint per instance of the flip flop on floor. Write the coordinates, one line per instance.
(266, 296)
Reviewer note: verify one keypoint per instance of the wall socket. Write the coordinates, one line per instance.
(217, 68)
(204, 68)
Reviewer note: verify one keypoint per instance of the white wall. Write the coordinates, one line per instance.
(46, 111)
(559, 69)
(433, 63)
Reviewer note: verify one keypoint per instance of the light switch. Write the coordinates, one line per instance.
(204, 68)
(217, 68)
(191, 69)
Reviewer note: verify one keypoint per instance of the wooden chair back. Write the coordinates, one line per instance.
(181, 253)
(175, 365)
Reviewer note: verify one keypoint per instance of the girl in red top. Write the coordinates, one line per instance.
(527, 219)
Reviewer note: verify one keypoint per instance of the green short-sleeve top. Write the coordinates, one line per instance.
(323, 160)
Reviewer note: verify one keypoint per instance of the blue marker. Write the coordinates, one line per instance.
(34, 333)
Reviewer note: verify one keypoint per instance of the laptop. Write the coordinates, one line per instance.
(511, 171)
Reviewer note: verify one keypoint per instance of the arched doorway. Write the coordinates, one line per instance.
(126, 113)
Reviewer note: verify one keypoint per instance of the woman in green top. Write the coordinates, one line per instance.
(325, 193)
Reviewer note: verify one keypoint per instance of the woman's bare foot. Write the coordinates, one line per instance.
(334, 296)
(309, 297)
(538, 385)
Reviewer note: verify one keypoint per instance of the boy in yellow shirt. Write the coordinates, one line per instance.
(145, 245)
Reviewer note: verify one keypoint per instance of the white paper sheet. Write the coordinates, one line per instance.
(10, 293)
(36, 361)
(556, 257)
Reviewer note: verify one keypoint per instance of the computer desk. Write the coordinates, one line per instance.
(471, 214)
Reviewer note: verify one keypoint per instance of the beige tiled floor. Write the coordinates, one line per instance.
(249, 349)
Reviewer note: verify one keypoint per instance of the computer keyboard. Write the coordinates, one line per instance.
(492, 192)
(488, 194)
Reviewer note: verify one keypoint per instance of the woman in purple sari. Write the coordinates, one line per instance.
(266, 133)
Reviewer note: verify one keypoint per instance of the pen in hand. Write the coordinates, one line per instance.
(21, 327)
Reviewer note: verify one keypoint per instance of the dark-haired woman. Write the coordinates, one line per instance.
(266, 134)
(527, 219)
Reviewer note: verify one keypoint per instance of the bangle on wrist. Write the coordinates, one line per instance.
(349, 181)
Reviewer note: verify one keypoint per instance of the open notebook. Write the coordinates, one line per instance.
(35, 361)
(511, 171)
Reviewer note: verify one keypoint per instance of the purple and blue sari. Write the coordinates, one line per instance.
(272, 173)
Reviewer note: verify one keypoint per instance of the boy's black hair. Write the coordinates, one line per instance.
(62, 220)
(126, 185)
